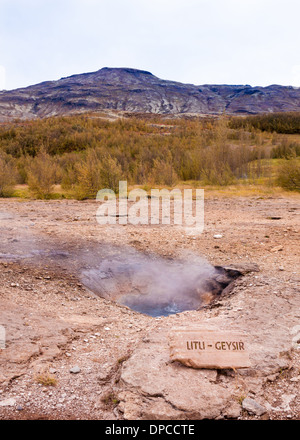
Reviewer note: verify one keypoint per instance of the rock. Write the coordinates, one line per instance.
(152, 386)
(277, 249)
(272, 378)
(202, 348)
(75, 370)
(243, 268)
(8, 402)
(286, 400)
(233, 411)
(295, 379)
(218, 236)
(223, 279)
(253, 407)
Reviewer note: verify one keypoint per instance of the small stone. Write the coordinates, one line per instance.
(253, 407)
(102, 376)
(233, 411)
(52, 370)
(272, 377)
(218, 236)
(75, 370)
(8, 402)
(277, 249)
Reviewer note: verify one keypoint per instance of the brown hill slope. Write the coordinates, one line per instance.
(133, 90)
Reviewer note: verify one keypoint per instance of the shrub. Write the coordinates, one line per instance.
(110, 173)
(289, 175)
(41, 175)
(163, 173)
(7, 178)
(220, 175)
(46, 379)
(86, 176)
(94, 173)
(286, 150)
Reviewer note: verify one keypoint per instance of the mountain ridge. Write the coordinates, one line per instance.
(139, 91)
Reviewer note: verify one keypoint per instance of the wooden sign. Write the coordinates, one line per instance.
(198, 348)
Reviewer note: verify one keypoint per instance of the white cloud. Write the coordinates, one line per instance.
(2, 77)
(197, 41)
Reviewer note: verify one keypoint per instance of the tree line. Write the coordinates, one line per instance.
(85, 153)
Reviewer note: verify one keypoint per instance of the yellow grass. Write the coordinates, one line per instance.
(263, 187)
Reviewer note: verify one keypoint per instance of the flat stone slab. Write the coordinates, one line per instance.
(200, 348)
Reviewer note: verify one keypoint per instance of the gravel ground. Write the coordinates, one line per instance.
(66, 347)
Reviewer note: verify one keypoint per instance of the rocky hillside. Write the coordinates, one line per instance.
(132, 90)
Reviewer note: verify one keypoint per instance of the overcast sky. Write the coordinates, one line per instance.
(254, 42)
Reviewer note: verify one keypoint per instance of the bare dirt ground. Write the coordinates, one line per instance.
(54, 324)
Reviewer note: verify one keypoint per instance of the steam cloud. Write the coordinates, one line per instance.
(146, 283)
(152, 285)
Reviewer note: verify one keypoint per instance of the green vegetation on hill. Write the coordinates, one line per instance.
(285, 123)
(83, 154)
